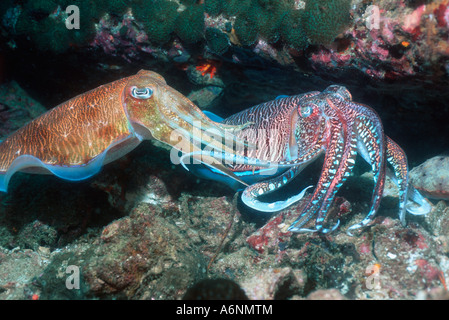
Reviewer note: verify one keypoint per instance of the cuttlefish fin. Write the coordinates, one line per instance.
(32, 164)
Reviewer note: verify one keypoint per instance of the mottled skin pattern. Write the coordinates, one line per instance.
(74, 132)
(74, 139)
(298, 129)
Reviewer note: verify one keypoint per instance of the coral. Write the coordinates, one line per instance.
(261, 17)
(159, 17)
(53, 36)
(323, 21)
(246, 27)
(270, 19)
(271, 13)
(213, 7)
(91, 13)
(190, 24)
(45, 26)
(235, 7)
(292, 31)
(217, 41)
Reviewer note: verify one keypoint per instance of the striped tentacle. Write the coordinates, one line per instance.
(261, 188)
(270, 131)
(371, 144)
(335, 149)
(251, 193)
(398, 160)
(345, 162)
(312, 154)
(193, 123)
(418, 205)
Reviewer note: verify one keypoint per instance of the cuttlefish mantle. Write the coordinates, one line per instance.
(75, 139)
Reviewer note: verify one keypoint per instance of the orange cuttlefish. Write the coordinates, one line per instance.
(75, 139)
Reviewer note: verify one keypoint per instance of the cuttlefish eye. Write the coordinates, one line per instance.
(141, 93)
(305, 111)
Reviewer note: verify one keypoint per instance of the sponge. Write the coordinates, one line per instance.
(190, 24)
(325, 20)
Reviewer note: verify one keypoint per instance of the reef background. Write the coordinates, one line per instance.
(144, 228)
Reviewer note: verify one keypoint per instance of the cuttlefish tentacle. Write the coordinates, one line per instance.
(418, 205)
(371, 143)
(344, 161)
(173, 116)
(397, 159)
(327, 176)
(75, 139)
(301, 158)
(252, 192)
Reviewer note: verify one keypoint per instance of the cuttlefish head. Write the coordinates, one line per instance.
(157, 111)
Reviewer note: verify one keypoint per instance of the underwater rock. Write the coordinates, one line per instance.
(275, 283)
(212, 224)
(273, 236)
(204, 74)
(150, 255)
(136, 257)
(17, 269)
(207, 97)
(328, 294)
(35, 235)
(404, 258)
(16, 108)
(159, 251)
(431, 178)
(433, 294)
(438, 221)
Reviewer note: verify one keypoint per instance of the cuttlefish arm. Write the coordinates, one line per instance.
(75, 139)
